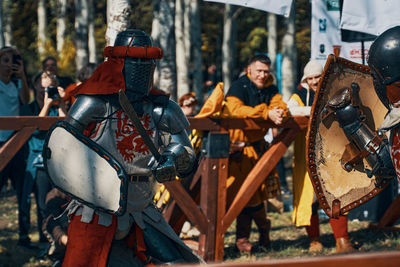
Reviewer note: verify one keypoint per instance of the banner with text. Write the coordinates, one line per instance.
(326, 35)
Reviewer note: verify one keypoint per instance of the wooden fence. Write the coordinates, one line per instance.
(203, 203)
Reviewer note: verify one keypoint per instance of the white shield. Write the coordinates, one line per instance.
(81, 168)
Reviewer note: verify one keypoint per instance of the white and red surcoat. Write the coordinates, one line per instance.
(117, 135)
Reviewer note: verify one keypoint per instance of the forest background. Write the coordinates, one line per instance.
(194, 34)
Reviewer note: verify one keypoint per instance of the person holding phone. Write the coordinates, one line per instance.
(49, 66)
(52, 93)
(14, 91)
(46, 103)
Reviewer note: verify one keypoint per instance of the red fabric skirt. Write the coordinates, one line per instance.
(88, 243)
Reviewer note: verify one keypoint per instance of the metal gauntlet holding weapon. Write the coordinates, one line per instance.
(174, 160)
(364, 142)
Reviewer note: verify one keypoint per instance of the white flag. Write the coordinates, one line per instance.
(370, 16)
(280, 7)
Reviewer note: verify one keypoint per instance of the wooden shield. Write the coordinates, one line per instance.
(337, 190)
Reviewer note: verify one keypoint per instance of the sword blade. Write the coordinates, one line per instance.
(130, 111)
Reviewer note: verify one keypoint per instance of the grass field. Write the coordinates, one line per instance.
(287, 240)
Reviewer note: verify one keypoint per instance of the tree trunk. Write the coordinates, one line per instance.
(272, 39)
(7, 31)
(181, 63)
(81, 33)
(163, 37)
(118, 12)
(289, 57)
(186, 34)
(42, 27)
(61, 24)
(228, 46)
(91, 34)
(198, 81)
(2, 43)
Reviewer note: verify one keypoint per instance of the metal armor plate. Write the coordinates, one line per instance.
(337, 189)
(84, 170)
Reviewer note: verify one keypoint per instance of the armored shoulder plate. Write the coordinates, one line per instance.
(84, 109)
(170, 119)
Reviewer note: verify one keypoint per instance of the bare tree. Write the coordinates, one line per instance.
(7, 31)
(61, 24)
(228, 45)
(163, 37)
(81, 33)
(2, 43)
(118, 12)
(272, 38)
(196, 45)
(42, 26)
(181, 60)
(91, 33)
(289, 57)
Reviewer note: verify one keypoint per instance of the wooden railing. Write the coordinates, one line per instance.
(373, 259)
(24, 127)
(203, 202)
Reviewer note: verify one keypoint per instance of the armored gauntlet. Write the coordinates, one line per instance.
(365, 143)
(174, 161)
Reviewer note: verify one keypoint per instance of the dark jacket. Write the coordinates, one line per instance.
(246, 91)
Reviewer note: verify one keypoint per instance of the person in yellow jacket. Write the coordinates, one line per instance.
(305, 204)
(251, 96)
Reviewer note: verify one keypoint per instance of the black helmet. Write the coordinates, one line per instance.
(133, 38)
(138, 72)
(384, 61)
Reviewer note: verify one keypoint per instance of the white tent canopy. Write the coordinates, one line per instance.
(279, 7)
(370, 16)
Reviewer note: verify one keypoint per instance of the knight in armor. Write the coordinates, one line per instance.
(384, 61)
(305, 203)
(141, 235)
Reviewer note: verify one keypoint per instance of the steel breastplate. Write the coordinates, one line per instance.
(118, 136)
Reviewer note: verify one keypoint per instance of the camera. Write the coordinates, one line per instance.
(16, 58)
(52, 91)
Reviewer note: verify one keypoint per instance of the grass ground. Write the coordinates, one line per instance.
(287, 240)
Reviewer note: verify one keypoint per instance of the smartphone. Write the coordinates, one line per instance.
(53, 92)
(16, 59)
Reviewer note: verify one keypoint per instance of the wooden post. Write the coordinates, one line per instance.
(187, 204)
(212, 203)
(172, 213)
(221, 209)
